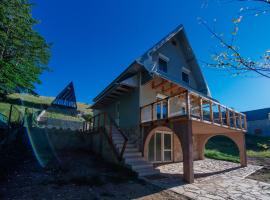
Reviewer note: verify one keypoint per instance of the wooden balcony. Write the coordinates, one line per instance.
(192, 106)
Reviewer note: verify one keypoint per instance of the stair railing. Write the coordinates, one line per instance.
(104, 121)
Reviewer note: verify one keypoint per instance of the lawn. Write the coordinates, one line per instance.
(222, 148)
(35, 104)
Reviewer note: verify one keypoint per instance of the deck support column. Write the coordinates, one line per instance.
(188, 153)
(184, 131)
(243, 151)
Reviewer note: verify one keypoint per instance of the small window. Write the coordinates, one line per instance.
(162, 65)
(185, 77)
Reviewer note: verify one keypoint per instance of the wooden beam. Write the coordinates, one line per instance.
(123, 89)
(162, 83)
(172, 87)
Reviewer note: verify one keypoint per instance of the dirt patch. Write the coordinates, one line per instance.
(262, 174)
(77, 175)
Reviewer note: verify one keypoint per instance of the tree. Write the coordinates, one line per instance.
(229, 56)
(24, 53)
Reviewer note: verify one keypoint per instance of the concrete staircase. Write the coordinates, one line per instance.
(132, 157)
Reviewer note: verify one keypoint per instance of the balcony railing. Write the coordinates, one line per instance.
(196, 107)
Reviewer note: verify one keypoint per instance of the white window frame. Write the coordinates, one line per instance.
(164, 58)
(187, 71)
(162, 147)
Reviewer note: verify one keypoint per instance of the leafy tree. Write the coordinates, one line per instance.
(24, 53)
(228, 56)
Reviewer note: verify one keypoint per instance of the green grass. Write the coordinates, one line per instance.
(222, 148)
(37, 103)
(215, 154)
(259, 154)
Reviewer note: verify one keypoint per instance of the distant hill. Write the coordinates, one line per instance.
(36, 103)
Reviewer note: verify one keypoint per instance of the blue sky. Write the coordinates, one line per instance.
(93, 41)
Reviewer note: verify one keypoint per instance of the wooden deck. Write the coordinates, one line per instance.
(205, 113)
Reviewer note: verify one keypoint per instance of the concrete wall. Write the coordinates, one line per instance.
(259, 127)
(60, 124)
(47, 144)
(101, 146)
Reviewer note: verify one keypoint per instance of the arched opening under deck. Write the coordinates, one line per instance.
(162, 145)
(220, 147)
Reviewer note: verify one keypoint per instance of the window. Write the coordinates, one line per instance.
(185, 77)
(162, 65)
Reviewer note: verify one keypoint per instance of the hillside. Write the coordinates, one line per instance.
(37, 104)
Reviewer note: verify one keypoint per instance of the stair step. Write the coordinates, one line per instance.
(131, 150)
(118, 141)
(117, 137)
(119, 145)
(147, 172)
(132, 154)
(131, 160)
(141, 166)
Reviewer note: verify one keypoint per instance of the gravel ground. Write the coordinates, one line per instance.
(81, 175)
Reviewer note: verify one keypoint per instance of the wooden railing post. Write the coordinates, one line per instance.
(228, 117)
(94, 121)
(240, 120)
(211, 112)
(234, 120)
(188, 104)
(201, 108)
(245, 122)
(98, 126)
(152, 112)
(220, 115)
(110, 133)
(167, 99)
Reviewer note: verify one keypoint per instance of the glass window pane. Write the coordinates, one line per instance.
(151, 149)
(158, 146)
(167, 141)
(162, 65)
(164, 109)
(167, 155)
(158, 111)
(185, 77)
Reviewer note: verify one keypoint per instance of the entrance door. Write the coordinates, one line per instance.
(160, 147)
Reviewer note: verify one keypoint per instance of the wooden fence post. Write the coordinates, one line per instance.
(220, 115)
(188, 104)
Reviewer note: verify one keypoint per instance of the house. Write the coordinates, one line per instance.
(160, 110)
(258, 121)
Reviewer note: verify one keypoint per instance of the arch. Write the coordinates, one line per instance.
(237, 138)
(176, 144)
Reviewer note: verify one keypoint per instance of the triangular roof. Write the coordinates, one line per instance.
(146, 62)
(66, 98)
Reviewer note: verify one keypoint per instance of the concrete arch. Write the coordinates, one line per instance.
(177, 146)
(237, 138)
